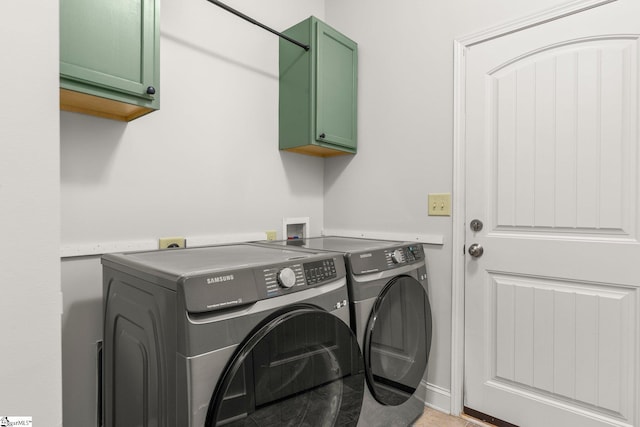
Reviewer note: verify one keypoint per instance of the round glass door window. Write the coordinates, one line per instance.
(303, 367)
(397, 341)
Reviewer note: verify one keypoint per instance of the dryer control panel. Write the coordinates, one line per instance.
(403, 255)
(385, 259)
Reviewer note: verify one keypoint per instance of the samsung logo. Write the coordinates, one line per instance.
(369, 255)
(219, 279)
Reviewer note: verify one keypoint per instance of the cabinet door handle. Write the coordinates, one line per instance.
(151, 90)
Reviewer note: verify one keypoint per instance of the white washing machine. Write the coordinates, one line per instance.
(237, 335)
(390, 315)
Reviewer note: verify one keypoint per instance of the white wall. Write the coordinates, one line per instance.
(206, 164)
(405, 132)
(208, 161)
(30, 298)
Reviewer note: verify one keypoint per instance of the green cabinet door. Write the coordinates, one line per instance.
(336, 86)
(318, 91)
(109, 49)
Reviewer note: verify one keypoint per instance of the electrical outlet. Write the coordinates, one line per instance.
(440, 204)
(172, 242)
(271, 235)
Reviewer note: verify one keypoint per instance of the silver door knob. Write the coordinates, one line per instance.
(476, 250)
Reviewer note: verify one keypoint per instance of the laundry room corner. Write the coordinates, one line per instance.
(206, 166)
(406, 94)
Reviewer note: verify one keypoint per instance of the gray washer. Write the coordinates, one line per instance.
(220, 334)
(390, 315)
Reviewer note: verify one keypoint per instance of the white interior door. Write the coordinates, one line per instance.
(551, 306)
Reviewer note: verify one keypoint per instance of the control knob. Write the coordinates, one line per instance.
(286, 277)
(397, 256)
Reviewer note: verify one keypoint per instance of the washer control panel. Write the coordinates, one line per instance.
(282, 279)
(286, 277)
(320, 271)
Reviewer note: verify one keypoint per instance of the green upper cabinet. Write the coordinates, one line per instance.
(318, 91)
(109, 57)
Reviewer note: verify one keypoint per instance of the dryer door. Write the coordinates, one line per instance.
(302, 366)
(397, 340)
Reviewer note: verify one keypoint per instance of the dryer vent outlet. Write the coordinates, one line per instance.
(172, 242)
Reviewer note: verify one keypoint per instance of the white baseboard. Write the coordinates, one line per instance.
(436, 397)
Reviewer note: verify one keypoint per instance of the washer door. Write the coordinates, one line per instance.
(397, 340)
(300, 367)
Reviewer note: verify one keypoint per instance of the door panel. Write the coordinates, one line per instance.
(397, 340)
(109, 43)
(551, 314)
(563, 340)
(300, 355)
(563, 127)
(337, 78)
(303, 366)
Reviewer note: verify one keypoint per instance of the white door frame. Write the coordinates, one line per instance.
(459, 174)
